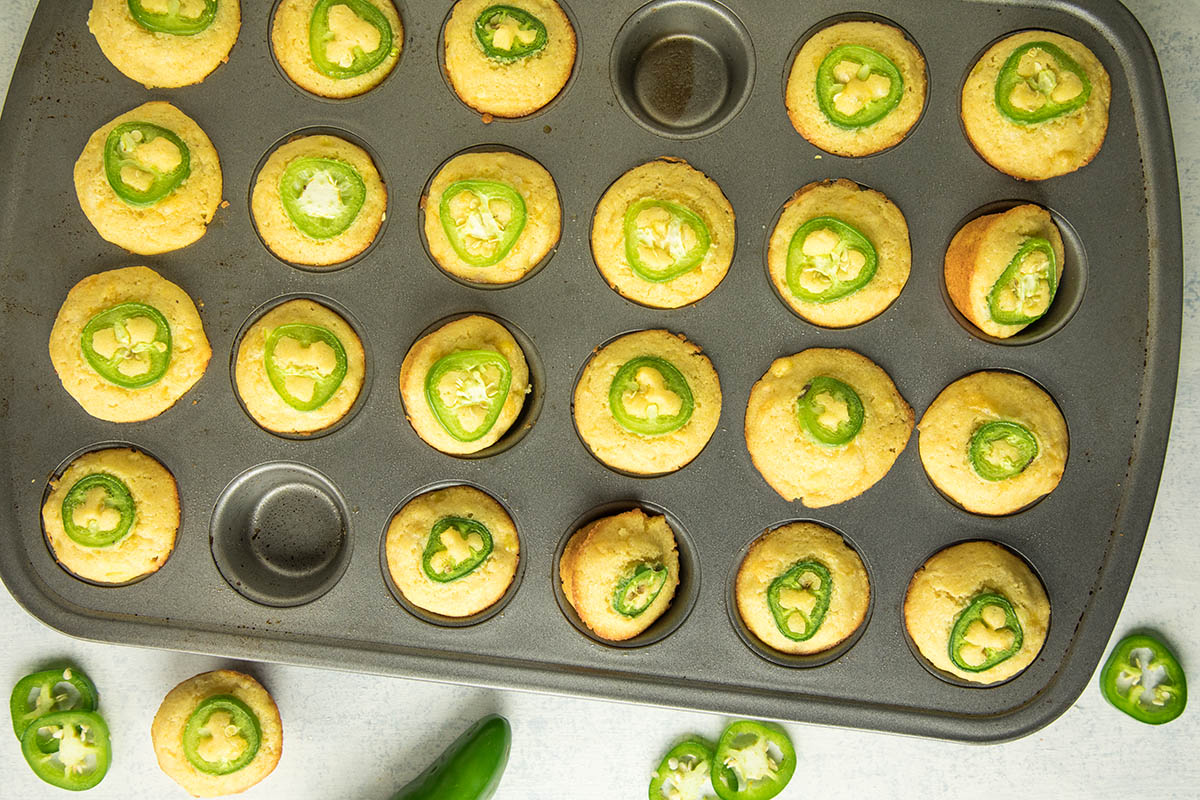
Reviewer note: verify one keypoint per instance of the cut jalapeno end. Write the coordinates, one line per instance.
(683, 773)
(305, 364)
(46, 692)
(83, 752)
(1143, 678)
(98, 511)
(650, 396)
(638, 589)
(1001, 450)
(509, 34)
(985, 633)
(664, 240)
(128, 345)
(221, 736)
(858, 86)
(801, 594)
(322, 196)
(467, 390)
(830, 411)
(1024, 291)
(176, 17)
(348, 38)
(457, 547)
(752, 762)
(828, 260)
(144, 162)
(482, 220)
(1039, 82)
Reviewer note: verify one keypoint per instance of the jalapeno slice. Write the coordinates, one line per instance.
(638, 589)
(684, 771)
(144, 162)
(1001, 450)
(664, 240)
(305, 364)
(509, 34)
(467, 390)
(482, 220)
(1039, 82)
(858, 86)
(985, 633)
(830, 411)
(752, 762)
(1025, 290)
(176, 17)
(650, 396)
(348, 38)
(128, 344)
(1143, 678)
(98, 511)
(457, 546)
(83, 752)
(322, 196)
(828, 260)
(46, 692)
(221, 736)
(801, 593)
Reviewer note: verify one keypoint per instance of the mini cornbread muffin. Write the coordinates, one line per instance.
(149, 180)
(452, 551)
(619, 573)
(663, 234)
(337, 48)
(840, 253)
(648, 402)
(218, 733)
(300, 368)
(801, 589)
(508, 59)
(491, 217)
(825, 425)
(993, 442)
(856, 88)
(976, 611)
(464, 385)
(1035, 105)
(165, 43)
(127, 344)
(112, 516)
(1002, 270)
(318, 201)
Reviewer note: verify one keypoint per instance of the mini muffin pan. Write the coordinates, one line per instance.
(277, 557)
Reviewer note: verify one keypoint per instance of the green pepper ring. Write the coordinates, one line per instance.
(434, 546)
(160, 361)
(1121, 658)
(465, 359)
(854, 239)
(163, 183)
(789, 579)
(486, 190)
(324, 388)
(119, 498)
(870, 113)
(173, 23)
(1008, 79)
(675, 382)
(652, 575)
(241, 716)
(808, 414)
(45, 681)
(42, 761)
(974, 611)
(523, 18)
(1015, 434)
(724, 778)
(352, 193)
(319, 34)
(694, 748)
(1031, 245)
(685, 263)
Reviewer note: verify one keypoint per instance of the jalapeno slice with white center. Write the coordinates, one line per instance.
(664, 240)
(457, 547)
(638, 589)
(1040, 82)
(144, 162)
(1024, 291)
(221, 736)
(1001, 450)
(829, 259)
(98, 511)
(176, 17)
(858, 86)
(830, 411)
(482, 220)
(509, 34)
(348, 38)
(305, 364)
(650, 396)
(467, 390)
(128, 345)
(322, 196)
(800, 594)
(985, 633)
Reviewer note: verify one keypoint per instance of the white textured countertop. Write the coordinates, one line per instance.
(359, 736)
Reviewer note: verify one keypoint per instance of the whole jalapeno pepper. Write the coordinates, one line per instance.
(144, 162)
(339, 44)
(664, 240)
(661, 397)
(470, 546)
(509, 34)
(829, 259)
(985, 633)
(469, 769)
(481, 388)
(174, 20)
(1143, 678)
(858, 86)
(1039, 82)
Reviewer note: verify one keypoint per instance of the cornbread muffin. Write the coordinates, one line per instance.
(140, 165)
(491, 217)
(1002, 270)
(647, 402)
(991, 597)
(619, 573)
(663, 234)
(225, 716)
(824, 271)
(318, 201)
(801, 589)
(856, 88)
(127, 344)
(1055, 95)
(452, 551)
(993, 442)
(532, 53)
(164, 47)
(825, 425)
(317, 368)
(464, 385)
(112, 516)
(337, 48)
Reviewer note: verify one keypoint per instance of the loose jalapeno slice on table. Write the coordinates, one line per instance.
(684, 772)
(128, 344)
(664, 240)
(1001, 450)
(802, 592)
(82, 756)
(985, 633)
(46, 692)
(221, 736)
(1039, 82)
(752, 762)
(305, 364)
(144, 162)
(650, 396)
(457, 546)
(469, 403)
(828, 260)
(509, 34)
(830, 411)
(348, 38)
(1143, 678)
(176, 17)
(98, 510)
(1025, 290)
(322, 196)
(482, 220)
(638, 589)
(858, 86)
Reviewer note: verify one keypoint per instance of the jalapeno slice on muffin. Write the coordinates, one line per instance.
(1026, 288)
(305, 364)
(98, 511)
(857, 86)
(1001, 450)
(1039, 82)
(683, 772)
(322, 196)
(222, 735)
(664, 240)
(348, 38)
(46, 692)
(482, 220)
(650, 396)
(753, 762)
(467, 390)
(986, 633)
(145, 162)
(636, 591)
(828, 260)
(178, 18)
(457, 546)
(84, 751)
(509, 34)
(801, 594)
(830, 411)
(128, 345)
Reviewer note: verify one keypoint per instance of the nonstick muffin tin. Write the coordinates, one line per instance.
(278, 553)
